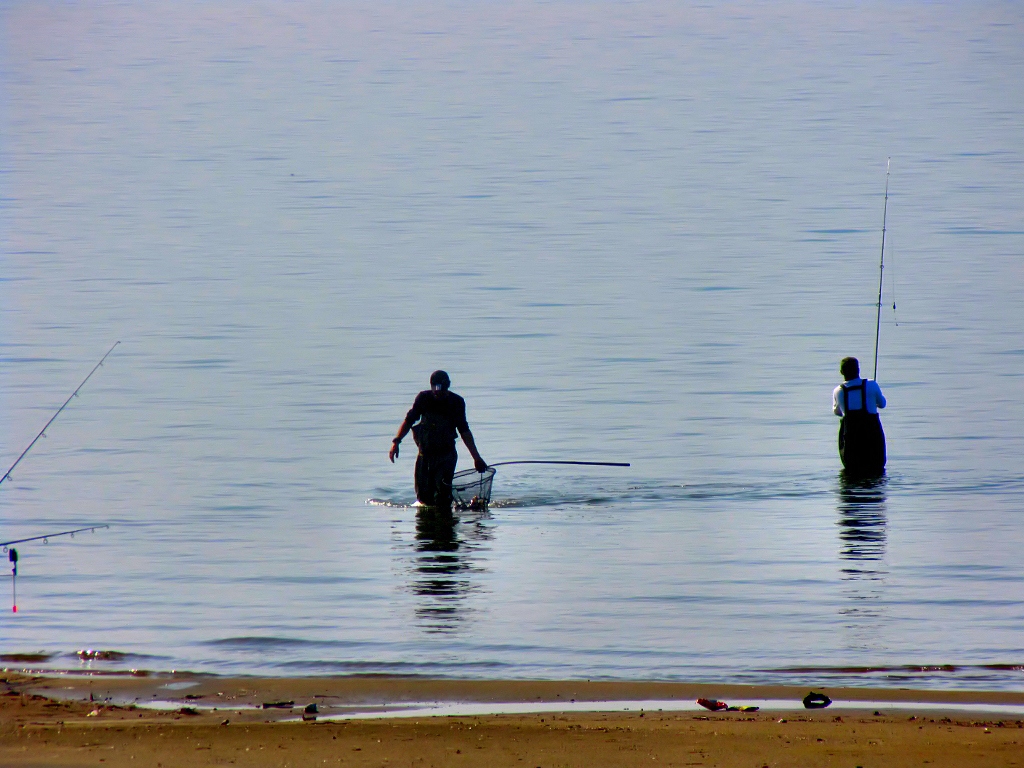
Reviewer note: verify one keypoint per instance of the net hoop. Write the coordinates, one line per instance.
(472, 489)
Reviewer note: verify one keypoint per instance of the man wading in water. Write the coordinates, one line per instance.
(861, 439)
(435, 416)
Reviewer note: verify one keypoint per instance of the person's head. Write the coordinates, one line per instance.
(439, 381)
(850, 368)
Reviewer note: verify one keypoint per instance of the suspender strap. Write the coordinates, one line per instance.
(863, 387)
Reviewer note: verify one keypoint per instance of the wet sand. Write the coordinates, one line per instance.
(191, 720)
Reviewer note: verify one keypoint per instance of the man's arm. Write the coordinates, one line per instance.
(837, 406)
(879, 397)
(410, 418)
(467, 438)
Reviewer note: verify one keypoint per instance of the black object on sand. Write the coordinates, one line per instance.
(816, 700)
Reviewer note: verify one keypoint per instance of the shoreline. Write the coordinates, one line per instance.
(184, 719)
(372, 693)
(372, 687)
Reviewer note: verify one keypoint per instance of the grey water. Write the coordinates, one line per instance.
(640, 232)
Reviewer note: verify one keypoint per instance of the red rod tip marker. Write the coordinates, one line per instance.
(15, 609)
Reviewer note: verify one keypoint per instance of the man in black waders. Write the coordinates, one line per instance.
(435, 416)
(861, 439)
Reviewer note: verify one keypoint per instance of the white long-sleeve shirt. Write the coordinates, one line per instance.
(873, 392)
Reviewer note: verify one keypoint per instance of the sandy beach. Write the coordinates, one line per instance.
(190, 720)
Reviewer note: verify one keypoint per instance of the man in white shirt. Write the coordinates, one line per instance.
(861, 439)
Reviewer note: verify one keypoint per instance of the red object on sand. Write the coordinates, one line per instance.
(713, 704)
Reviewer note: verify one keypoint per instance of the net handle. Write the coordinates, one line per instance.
(583, 463)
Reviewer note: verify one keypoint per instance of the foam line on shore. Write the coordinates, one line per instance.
(470, 709)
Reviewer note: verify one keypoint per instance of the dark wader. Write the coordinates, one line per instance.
(861, 439)
(435, 464)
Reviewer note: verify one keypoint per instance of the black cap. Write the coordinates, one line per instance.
(440, 379)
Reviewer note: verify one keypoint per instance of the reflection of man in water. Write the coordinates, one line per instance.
(861, 439)
(434, 418)
(861, 509)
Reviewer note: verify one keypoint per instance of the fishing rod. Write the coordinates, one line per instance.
(52, 418)
(13, 555)
(45, 539)
(881, 268)
(584, 463)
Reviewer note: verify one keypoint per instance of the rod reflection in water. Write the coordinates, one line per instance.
(445, 563)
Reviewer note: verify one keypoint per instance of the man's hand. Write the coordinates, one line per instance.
(393, 453)
(480, 464)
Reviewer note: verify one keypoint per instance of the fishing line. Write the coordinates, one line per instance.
(892, 279)
(13, 557)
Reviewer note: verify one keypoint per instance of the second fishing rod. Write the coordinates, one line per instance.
(881, 268)
(42, 431)
(7, 546)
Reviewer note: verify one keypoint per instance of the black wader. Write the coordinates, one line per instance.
(861, 439)
(435, 463)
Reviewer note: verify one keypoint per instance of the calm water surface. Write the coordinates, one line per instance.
(640, 232)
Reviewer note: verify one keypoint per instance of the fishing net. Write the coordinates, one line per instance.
(472, 489)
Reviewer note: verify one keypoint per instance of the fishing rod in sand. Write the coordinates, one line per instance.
(881, 267)
(45, 538)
